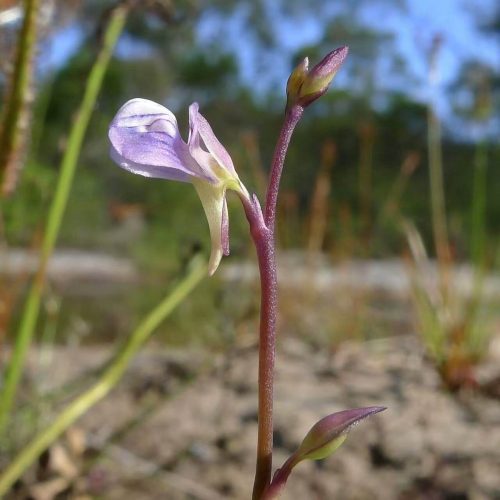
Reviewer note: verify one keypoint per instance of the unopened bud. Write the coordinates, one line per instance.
(330, 432)
(306, 86)
(320, 442)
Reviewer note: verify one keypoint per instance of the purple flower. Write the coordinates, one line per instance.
(145, 140)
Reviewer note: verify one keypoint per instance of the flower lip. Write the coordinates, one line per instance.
(154, 171)
(145, 140)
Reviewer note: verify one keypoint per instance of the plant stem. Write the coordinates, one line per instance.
(268, 312)
(107, 381)
(280, 478)
(365, 183)
(17, 114)
(67, 170)
(262, 230)
(477, 342)
(292, 117)
(480, 184)
(438, 204)
(437, 188)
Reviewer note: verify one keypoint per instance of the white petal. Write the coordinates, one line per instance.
(213, 200)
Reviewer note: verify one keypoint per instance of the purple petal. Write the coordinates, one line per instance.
(159, 172)
(145, 140)
(199, 128)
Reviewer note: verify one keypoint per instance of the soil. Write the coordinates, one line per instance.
(182, 425)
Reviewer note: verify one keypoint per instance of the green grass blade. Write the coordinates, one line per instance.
(478, 212)
(106, 382)
(68, 166)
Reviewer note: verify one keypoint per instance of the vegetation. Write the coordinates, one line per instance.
(357, 182)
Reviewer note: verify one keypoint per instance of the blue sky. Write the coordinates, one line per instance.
(451, 18)
(413, 29)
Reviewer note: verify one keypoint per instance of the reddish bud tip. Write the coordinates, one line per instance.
(306, 86)
(320, 442)
(330, 432)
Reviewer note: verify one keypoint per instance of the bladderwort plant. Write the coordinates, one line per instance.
(145, 140)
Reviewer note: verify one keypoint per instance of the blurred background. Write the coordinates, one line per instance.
(365, 140)
(359, 219)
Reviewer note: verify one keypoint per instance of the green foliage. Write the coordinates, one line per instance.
(24, 213)
(207, 71)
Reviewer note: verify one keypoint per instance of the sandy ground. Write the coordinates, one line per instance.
(182, 425)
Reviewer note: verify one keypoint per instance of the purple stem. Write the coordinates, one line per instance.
(280, 478)
(262, 230)
(292, 116)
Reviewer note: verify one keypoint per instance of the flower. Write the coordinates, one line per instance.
(145, 140)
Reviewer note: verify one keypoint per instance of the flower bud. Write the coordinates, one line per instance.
(320, 442)
(306, 86)
(331, 431)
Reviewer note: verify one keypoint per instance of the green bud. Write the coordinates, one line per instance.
(296, 79)
(304, 86)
